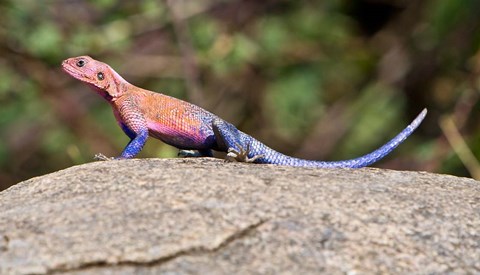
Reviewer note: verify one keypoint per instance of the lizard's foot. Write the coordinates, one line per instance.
(188, 154)
(101, 156)
(241, 155)
(195, 153)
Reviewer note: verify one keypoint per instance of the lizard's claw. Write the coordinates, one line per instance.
(241, 155)
(101, 156)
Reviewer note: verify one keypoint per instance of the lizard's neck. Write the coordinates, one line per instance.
(116, 87)
(103, 93)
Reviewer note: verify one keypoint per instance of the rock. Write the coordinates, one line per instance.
(205, 216)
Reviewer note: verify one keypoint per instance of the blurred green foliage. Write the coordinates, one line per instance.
(319, 79)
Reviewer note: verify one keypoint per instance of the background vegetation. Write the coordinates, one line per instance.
(318, 79)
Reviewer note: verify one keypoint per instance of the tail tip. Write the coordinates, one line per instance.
(419, 118)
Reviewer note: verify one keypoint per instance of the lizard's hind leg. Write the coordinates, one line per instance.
(235, 143)
(241, 155)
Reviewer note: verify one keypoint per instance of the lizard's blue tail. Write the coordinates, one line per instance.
(274, 157)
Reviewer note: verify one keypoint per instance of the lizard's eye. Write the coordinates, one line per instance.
(100, 76)
(81, 63)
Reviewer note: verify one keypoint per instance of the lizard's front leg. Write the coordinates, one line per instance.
(131, 150)
(135, 145)
(230, 140)
(134, 125)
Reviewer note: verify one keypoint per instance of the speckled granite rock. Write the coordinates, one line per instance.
(205, 216)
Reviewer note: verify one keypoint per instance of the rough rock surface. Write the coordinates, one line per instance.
(204, 216)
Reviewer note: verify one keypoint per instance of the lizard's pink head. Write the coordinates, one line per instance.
(97, 74)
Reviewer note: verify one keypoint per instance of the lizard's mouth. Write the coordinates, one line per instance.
(71, 70)
(68, 69)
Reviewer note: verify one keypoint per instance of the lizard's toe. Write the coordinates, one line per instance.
(102, 157)
(241, 155)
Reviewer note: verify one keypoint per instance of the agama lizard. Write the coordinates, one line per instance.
(142, 113)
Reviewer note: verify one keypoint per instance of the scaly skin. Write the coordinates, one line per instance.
(142, 113)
